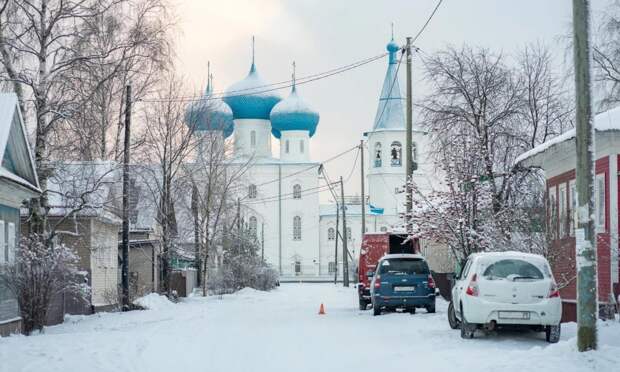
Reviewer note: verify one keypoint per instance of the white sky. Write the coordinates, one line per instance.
(321, 35)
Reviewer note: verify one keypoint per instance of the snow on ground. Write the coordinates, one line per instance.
(154, 301)
(280, 331)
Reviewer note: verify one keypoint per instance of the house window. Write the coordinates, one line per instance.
(377, 155)
(331, 267)
(297, 267)
(562, 210)
(11, 243)
(599, 206)
(252, 226)
(286, 146)
(396, 154)
(253, 138)
(301, 146)
(2, 243)
(297, 191)
(252, 191)
(296, 228)
(553, 212)
(572, 206)
(331, 234)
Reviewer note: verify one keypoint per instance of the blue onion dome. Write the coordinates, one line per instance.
(392, 48)
(210, 114)
(293, 114)
(251, 98)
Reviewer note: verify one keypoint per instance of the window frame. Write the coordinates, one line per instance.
(253, 226)
(297, 228)
(398, 147)
(572, 206)
(252, 191)
(296, 191)
(287, 146)
(253, 139)
(562, 210)
(331, 234)
(378, 156)
(600, 214)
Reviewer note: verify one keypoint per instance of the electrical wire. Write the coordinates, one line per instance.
(427, 21)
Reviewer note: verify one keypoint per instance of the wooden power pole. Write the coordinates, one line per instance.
(336, 241)
(585, 234)
(345, 252)
(125, 237)
(362, 188)
(408, 140)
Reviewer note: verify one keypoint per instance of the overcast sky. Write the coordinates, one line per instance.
(321, 35)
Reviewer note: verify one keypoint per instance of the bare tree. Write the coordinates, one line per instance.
(168, 143)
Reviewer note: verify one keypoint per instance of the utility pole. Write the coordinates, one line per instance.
(262, 242)
(238, 226)
(345, 259)
(408, 140)
(362, 188)
(336, 243)
(585, 234)
(197, 250)
(125, 238)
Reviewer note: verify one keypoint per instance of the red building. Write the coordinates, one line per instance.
(557, 158)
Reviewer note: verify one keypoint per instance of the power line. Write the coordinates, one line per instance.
(427, 22)
(287, 84)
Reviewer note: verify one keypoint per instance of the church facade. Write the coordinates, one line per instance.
(280, 194)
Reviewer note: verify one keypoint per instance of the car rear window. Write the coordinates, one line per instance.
(403, 266)
(512, 269)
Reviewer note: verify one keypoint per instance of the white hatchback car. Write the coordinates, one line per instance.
(496, 289)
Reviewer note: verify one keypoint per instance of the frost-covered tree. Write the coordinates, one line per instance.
(40, 273)
(481, 114)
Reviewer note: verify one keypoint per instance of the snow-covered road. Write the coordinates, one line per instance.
(280, 331)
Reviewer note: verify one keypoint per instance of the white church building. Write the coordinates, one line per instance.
(280, 197)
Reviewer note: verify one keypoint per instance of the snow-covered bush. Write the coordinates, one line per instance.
(40, 273)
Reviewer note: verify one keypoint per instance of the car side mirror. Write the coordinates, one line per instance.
(370, 274)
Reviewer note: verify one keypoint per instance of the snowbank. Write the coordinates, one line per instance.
(154, 301)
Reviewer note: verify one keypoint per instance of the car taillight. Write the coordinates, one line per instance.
(554, 291)
(378, 282)
(472, 288)
(431, 282)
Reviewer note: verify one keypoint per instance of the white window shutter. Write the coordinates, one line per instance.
(11, 240)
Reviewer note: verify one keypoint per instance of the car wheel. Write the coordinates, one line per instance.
(411, 310)
(467, 330)
(452, 319)
(430, 309)
(552, 333)
(376, 310)
(363, 305)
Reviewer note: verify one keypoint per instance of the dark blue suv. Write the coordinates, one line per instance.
(402, 281)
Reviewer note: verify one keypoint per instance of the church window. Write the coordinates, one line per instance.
(414, 152)
(377, 154)
(286, 146)
(296, 228)
(252, 226)
(383, 229)
(331, 234)
(301, 146)
(253, 138)
(396, 154)
(297, 191)
(252, 191)
(297, 267)
(331, 267)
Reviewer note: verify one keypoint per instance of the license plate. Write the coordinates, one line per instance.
(404, 289)
(523, 315)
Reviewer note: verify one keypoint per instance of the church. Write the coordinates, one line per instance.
(280, 194)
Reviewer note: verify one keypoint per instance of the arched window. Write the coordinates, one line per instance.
(286, 146)
(301, 146)
(297, 191)
(252, 191)
(296, 228)
(396, 152)
(253, 138)
(377, 154)
(383, 229)
(331, 234)
(252, 226)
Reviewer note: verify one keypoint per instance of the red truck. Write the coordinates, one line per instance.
(375, 246)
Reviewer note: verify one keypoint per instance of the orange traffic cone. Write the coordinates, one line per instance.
(322, 310)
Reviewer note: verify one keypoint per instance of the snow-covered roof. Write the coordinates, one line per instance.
(605, 121)
(402, 255)
(16, 161)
